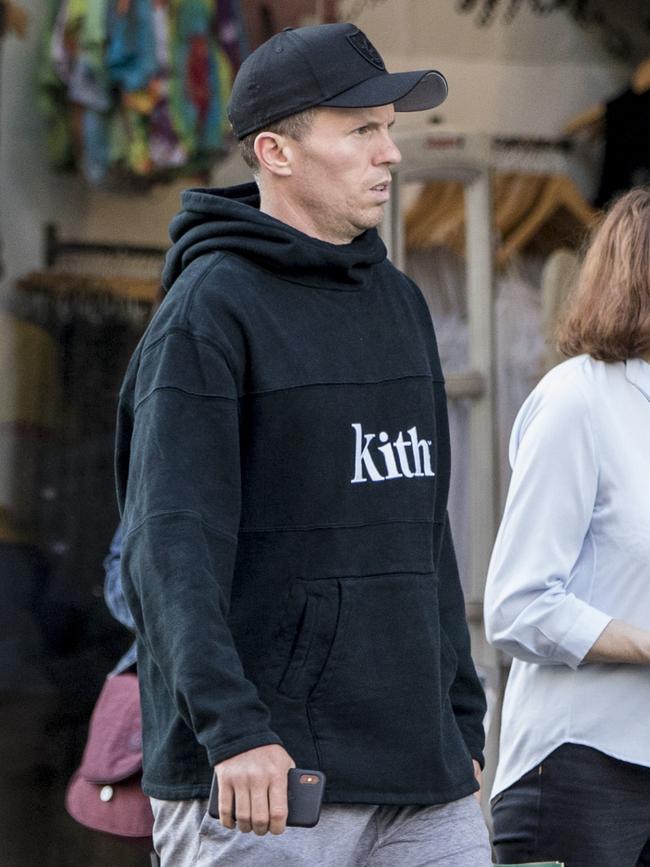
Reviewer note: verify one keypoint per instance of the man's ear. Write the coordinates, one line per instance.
(273, 153)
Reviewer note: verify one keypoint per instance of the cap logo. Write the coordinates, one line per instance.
(360, 42)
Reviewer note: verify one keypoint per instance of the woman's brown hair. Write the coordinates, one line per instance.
(608, 313)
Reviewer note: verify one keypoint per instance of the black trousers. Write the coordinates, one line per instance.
(578, 806)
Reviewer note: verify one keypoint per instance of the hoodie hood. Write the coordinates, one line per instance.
(229, 221)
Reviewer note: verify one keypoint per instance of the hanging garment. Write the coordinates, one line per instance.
(627, 145)
(440, 275)
(131, 46)
(165, 149)
(137, 89)
(228, 31)
(559, 276)
(519, 347)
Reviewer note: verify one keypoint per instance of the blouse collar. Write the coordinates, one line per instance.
(637, 371)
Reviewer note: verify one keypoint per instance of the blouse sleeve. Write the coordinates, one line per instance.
(530, 610)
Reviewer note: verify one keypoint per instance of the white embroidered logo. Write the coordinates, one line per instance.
(393, 456)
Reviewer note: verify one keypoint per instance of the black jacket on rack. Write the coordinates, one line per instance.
(626, 162)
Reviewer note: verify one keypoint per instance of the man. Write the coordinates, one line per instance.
(283, 468)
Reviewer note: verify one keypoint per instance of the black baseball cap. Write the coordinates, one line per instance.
(330, 65)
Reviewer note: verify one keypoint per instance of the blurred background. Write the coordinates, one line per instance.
(108, 109)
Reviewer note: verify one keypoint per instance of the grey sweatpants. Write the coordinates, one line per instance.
(448, 835)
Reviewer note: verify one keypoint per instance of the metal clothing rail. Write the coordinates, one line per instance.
(97, 274)
(55, 247)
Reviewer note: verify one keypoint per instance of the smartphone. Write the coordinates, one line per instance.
(305, 791)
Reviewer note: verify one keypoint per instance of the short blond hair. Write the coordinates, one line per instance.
(295, 126)
(608, 313)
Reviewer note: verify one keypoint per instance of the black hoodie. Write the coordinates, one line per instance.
(283, 470)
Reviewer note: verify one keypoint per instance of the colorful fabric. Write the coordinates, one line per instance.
(138, 87)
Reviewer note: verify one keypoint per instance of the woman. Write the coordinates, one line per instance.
(568, 589)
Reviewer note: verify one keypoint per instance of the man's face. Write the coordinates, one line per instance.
(340, 178)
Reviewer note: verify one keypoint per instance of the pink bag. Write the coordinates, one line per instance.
(104, 793)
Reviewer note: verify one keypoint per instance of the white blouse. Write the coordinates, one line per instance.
(573, 552)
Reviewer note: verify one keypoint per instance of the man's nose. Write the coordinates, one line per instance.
(389, 153)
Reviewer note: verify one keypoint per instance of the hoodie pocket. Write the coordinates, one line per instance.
(383, 691)
(307, 634)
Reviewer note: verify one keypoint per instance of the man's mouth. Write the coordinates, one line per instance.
(383, 187)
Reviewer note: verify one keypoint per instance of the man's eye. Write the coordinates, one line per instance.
(362, 130)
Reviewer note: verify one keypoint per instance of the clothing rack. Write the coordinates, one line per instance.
(56, 248)
(102, 278)
(472, 158)
(564, 145)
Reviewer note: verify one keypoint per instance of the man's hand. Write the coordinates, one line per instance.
(253, 787)
(478, 773)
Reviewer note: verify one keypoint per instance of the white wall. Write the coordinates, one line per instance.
(526, 78)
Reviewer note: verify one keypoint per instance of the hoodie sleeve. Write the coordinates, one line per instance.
(181, 518)
(466, 693)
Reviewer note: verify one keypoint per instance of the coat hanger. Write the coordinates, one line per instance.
(514, 196)
(437, 209)
(433, 199)
(559, 193)
(589, 121)
(438, 215)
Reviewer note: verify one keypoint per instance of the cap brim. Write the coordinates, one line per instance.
(407, 91)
